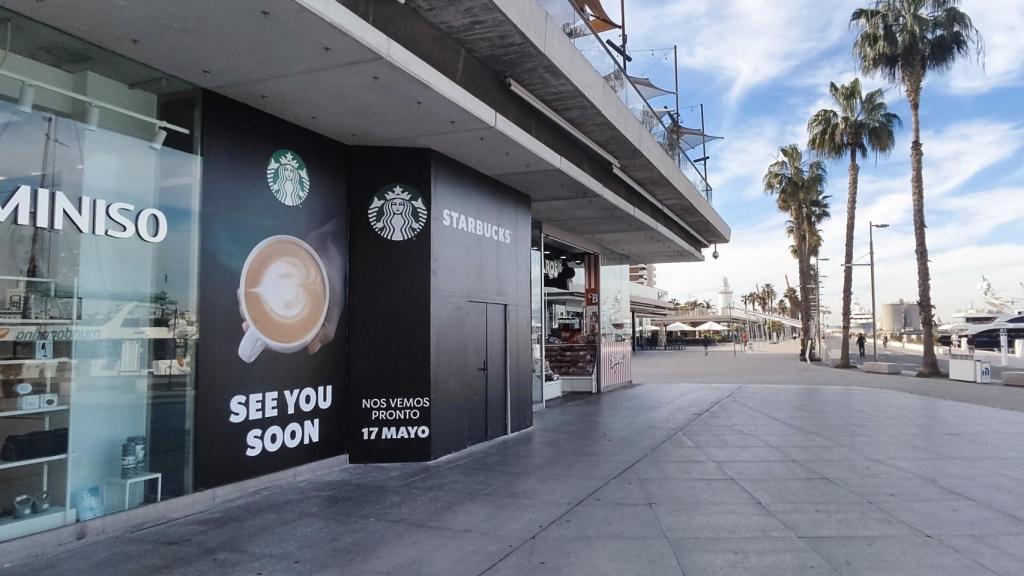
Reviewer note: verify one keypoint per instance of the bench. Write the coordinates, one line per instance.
(882, 367)
(1013, 379)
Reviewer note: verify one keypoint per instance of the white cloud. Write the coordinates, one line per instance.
(956, 153)
(790, 51)
(1000, 24)
(745, 43)
(756, 255)
(741, 159)
(962, 217)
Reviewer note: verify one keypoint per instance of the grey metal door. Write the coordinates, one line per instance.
(497, 371)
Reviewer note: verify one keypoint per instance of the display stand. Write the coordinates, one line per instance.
(46, 369)
(119, 490)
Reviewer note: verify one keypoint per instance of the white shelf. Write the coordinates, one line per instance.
(33, 411)
(5, 465)
(31, 321)
(22, 361)
(11, 527)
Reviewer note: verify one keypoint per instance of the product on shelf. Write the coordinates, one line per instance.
(39, 444)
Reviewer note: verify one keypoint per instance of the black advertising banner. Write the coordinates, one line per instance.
(271, 364)
(389, 382)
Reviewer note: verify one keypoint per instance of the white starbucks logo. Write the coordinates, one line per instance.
(287, 177)
(397, 212)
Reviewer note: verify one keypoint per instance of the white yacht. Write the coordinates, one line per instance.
(997, 310)
(988, 336)
(860, 318)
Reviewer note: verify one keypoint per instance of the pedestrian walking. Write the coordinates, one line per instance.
(885, 341)
(861, 341)
(706, 342)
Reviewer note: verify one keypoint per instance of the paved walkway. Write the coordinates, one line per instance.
(910, 359)
(656, 479)
(776, 364)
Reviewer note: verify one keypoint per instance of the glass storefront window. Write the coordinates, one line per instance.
(98, 294)
(572, 329)
(616, 347)
(615, 314)
(537, 314)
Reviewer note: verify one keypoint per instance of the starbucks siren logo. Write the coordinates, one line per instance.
(397, 212)
(287, 177)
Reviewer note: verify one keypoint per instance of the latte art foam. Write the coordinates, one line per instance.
(286, 287)
(285, 292)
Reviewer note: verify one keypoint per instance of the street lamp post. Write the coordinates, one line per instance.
(817, 291)
(871, 252)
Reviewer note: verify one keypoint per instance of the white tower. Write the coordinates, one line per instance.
(724, 296)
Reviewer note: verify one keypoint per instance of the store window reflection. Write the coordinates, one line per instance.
(616, 348)
(98, 255)
(572, 325)
(537, 314)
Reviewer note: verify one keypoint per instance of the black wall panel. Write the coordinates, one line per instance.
(239, 210)
(480, 254)
(390, 324)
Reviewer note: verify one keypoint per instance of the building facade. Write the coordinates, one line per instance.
(645, 274)
(237, 238)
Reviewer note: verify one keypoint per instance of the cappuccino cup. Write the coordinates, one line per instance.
(283, 295)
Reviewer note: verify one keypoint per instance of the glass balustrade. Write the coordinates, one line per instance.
(579, 31)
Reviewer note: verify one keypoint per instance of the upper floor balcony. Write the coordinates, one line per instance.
(584, 22)
(550, 53)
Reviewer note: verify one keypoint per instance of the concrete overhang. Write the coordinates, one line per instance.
(318, 65)
(520, 39)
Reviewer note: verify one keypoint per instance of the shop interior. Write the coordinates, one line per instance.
(572, 328)
(96, 331)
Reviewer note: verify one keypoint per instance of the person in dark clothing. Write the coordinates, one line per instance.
(706, 342)
(861, 341)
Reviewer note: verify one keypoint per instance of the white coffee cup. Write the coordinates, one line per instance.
(292, 280)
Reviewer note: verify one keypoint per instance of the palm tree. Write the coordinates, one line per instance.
(903, 40)
(798, 186)
(862, 124)
(793, 298)
(769, 293)
(782, 307)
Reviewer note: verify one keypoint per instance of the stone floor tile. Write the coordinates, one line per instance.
(894, 555)
(797, 491)
(546, 556)
(891, 489)
(671, 491)
(839, 519)
(959, 517)
(718, 521)
(774, 469)
(743, 453)
(598, 520)
(649, 468)
(1003, 555)
(786, 556)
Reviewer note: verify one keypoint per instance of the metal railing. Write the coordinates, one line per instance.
(578, 31)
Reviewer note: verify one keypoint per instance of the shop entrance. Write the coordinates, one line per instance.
(486, 359)
(571, 319)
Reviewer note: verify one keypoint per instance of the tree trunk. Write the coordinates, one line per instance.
(851, 213)
(804, 279)
(929, 364)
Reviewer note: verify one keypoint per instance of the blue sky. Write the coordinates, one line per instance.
(762, 68)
